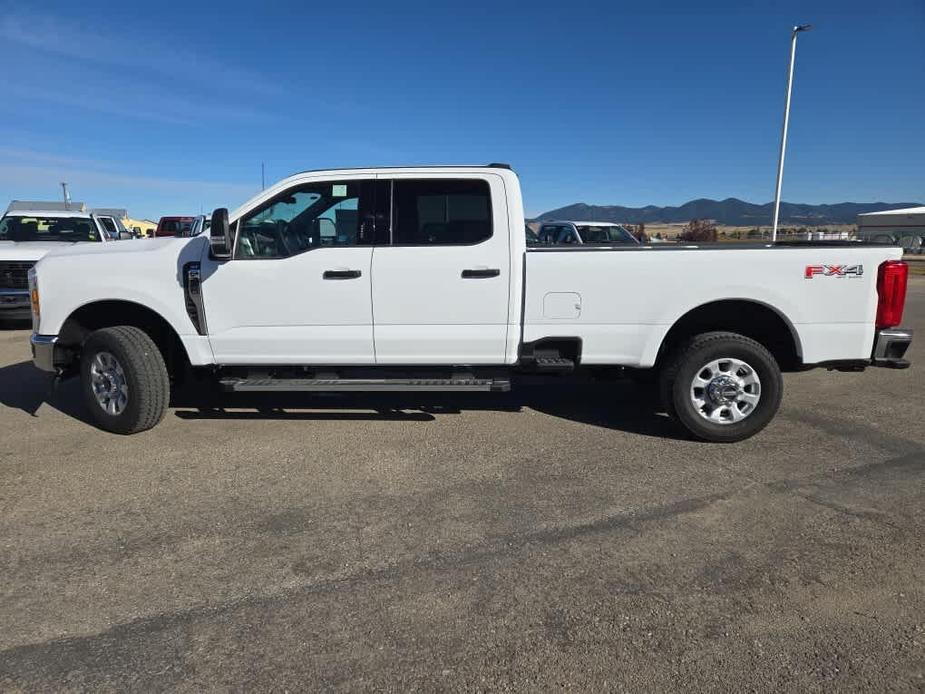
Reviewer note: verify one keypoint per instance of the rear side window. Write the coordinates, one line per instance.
(441, 212)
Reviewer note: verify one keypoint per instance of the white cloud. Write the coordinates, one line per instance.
(33, 175)
(47, 34)
(103, 73)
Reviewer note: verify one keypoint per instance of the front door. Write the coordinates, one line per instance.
(297, 290)
(441, 276)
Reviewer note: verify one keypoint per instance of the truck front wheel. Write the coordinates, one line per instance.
(722, 387)
(124, 379)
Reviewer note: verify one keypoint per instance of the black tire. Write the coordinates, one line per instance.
(683, 365)
(145, 377)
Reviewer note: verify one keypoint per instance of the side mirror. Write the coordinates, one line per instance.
(220, 240)
(125, 235)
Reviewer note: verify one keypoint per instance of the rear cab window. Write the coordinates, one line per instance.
(549, 234)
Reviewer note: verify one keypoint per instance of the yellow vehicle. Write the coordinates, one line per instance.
(141, 226)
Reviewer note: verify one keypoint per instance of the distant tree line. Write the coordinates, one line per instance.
(699, 231)
(705, 231)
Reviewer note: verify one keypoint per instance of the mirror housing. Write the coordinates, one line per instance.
(125, 235)
(220, 241)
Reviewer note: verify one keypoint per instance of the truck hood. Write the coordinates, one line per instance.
(33, 250)
(121, 248)
(122, 261)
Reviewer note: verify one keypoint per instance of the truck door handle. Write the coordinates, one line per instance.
(341, 274)
(480, 273)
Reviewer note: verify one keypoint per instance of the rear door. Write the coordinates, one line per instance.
(441, 284)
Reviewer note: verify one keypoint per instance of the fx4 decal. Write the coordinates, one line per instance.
(833, 271)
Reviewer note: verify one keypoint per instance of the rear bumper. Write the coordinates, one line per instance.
(890, 345)
(15, 304)
(46, 354)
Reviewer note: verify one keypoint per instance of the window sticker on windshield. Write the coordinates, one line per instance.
(339, 190)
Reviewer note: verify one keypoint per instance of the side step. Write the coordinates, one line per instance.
(266, 385)
(553, 364)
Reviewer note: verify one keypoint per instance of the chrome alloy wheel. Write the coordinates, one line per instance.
(107, 379)
(725, 391)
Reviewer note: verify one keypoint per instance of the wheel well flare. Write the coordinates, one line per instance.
(105, 314)
(758, 321)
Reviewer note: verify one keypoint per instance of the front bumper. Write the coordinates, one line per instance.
(15, 304)
(47, 354)
(890, 345)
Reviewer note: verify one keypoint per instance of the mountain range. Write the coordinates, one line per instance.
(731, 212)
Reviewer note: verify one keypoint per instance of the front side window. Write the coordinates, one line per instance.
(48, 228)
(311, 216)
(441, 212)
(109, 226)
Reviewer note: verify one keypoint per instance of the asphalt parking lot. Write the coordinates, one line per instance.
(554, 537)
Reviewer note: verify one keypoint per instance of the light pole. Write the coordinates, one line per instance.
(783, 136)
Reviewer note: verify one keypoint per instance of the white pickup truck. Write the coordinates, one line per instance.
(26, 235)
(421, 279)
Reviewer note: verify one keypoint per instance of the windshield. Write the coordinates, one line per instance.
(605, 234)
(48, 228)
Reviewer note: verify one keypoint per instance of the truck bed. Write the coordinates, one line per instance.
(622, 301)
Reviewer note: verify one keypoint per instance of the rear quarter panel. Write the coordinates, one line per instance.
(630, 298)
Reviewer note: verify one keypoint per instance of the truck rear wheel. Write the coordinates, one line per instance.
(722, 387)
(124, 380)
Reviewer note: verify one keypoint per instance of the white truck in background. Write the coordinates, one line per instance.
(421, 279)
(577, 233)
(28, 232)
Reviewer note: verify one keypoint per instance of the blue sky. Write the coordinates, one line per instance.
(170, 107)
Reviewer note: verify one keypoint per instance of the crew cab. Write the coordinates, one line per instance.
(27, 235)
(421, 279)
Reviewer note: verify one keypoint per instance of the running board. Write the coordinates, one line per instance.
(556, 364)
(279, 385)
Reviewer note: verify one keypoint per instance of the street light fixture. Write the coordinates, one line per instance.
(783, 137)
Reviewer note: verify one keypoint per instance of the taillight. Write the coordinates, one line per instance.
(891, 293)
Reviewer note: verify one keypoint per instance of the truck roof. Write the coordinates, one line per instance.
(46, 206)
(38, 212)
(405, 167)
(425, 169)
